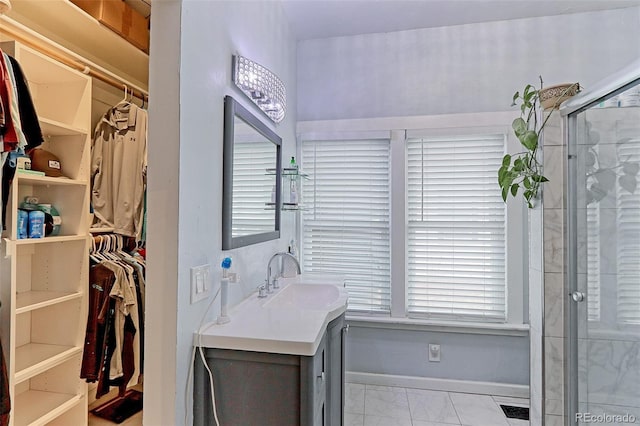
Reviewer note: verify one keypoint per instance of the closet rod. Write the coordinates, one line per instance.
(58, 52)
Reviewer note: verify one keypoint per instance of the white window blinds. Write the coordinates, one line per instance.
(456, 229)
(345, 226)
(252, 187)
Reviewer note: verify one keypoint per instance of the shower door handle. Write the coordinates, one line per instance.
(577, 296)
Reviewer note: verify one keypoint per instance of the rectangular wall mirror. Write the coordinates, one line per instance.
(251, 179)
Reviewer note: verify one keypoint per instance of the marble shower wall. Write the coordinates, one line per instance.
(554, 228)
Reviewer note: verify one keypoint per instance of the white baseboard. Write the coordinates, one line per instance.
(463, 386)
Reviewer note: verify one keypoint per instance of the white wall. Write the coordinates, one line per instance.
(185, 194)
(466, 357)
(466, 68)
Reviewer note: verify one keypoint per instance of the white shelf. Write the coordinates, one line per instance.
(56, 128)
(34, 358)
(47, 240)
(48, 180)
(101, 230)
(67, 24)
(34, 408)
(32, 300)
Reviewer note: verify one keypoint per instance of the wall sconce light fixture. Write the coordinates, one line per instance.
(262, 86)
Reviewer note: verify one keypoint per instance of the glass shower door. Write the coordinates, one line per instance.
(604, 261)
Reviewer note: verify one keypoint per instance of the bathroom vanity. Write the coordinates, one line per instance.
(280, 361)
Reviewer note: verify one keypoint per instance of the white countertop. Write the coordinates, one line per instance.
(255, 326)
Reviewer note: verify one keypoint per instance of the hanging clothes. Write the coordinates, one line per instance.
(112, 353)
(19, 124)
(118, 169)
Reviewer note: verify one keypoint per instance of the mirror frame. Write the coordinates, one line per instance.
(233, 109)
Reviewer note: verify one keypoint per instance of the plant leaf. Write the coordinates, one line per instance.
(519, 126)
(526, 182)
(506, 160)
(597, 192)
(606, 178)
(630, 168)
(514, 189)
(628, 182)
(502, 173)
(505, 191)
(529, 140)
(529, 96)
(527, 88)
(539, 178)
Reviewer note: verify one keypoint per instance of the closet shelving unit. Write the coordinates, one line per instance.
(44, 297)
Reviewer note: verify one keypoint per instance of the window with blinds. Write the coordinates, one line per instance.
(345, 226)
(252, 187)
(456, 228)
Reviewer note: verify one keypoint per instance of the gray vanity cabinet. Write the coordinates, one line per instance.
(336, 334)
(265, 389)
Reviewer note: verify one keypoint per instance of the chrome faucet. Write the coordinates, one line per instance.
(268, 284)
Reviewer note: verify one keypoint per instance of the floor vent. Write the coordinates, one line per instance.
(520, 413)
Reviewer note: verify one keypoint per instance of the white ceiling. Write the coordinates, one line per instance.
(330, 18)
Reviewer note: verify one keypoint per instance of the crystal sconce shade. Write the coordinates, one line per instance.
(262, 86)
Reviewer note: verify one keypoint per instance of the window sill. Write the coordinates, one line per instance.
(438, 326)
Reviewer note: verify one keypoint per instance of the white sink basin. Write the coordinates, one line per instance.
(292, 320)
(305, 296)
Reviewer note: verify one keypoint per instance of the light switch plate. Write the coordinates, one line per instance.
(200, 284)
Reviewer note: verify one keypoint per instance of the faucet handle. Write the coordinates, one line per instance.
(276, 284)
(262, 292)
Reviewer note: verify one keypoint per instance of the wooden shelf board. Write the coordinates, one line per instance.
(46, 240)
(34, 408)
(56, 128)
(48, 180)
(34, 358)
(32, 300)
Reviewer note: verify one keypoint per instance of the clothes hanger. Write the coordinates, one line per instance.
(125, 99)
(98, 248)
(92, 251)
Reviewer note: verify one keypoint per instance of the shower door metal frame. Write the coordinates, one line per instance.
(605, 89)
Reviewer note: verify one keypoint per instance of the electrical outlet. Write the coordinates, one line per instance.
(434, 352)
(200, 285)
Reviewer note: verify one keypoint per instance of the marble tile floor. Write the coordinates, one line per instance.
(368, 405)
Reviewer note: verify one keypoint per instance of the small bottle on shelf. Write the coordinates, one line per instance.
(293, 166)
(293, 248)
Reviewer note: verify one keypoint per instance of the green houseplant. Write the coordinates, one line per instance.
(524, 170)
